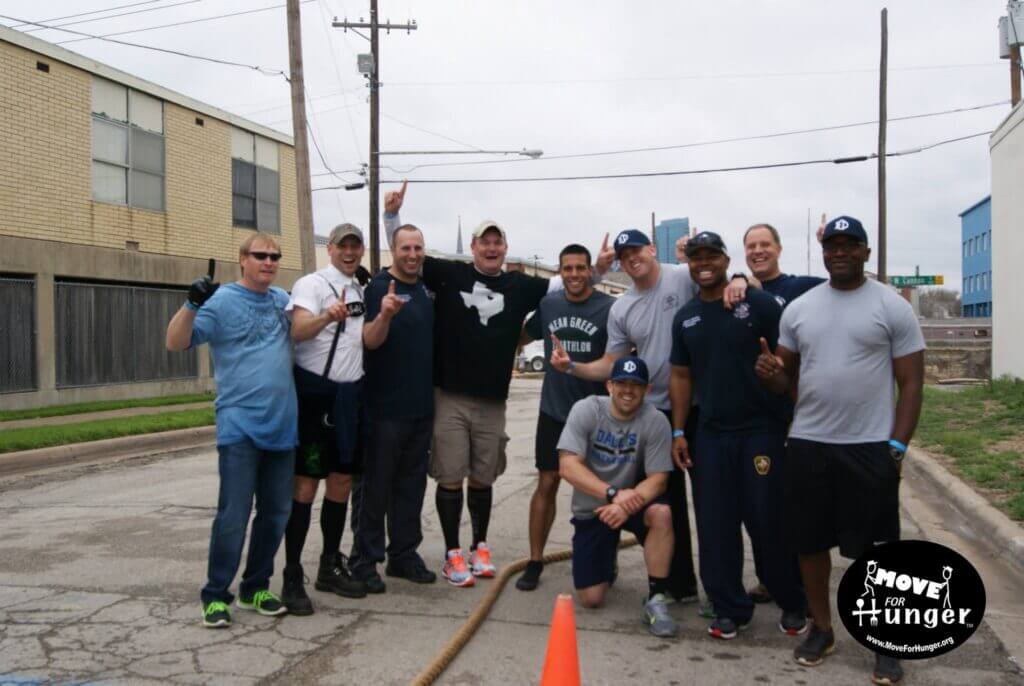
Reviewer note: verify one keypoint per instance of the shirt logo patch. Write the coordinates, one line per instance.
(487, 302)
(762, 464)
(782, 301)
(692, 321)
(741, 311)
(671, 301)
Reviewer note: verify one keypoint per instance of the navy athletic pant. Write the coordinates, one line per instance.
(682, 580)
(738, 480)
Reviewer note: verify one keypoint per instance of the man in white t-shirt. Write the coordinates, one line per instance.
(326, 309)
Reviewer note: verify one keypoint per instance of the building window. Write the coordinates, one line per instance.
(255, 183)
(127, 146)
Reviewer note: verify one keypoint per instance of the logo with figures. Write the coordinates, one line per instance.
(741, 311)
(911, 599)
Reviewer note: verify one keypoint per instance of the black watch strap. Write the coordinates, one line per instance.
(611, 493)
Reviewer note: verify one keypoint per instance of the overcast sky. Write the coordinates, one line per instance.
(574, 77)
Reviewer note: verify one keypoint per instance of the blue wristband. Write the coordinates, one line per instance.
(191, 306)
(896, 444)
(678, 433)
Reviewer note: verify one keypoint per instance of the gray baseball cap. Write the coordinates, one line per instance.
(341, 230)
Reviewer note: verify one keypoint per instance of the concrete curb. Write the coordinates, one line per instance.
(1005, 535)
(111, 448)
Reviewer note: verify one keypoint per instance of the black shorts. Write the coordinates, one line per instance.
(840, 495)
(594, 544)
(330, 426)
(549, 430)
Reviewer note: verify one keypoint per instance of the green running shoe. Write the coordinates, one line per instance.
(264, 602)
(216, 615)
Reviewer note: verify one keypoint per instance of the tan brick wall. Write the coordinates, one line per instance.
(45, 172)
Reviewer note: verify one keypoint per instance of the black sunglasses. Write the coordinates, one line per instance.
(260, 255)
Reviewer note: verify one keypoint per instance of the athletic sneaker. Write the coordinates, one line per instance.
(707, 610)
(264, 602)
(815, 648)
(725, 628)
(794, 623)
(480, 561)
(530, 577)
(455, 569)
(216, 615)
(685, 599)
(659, 622)
(293, 593)
(760, 594)
(414, 571)
(888, 671)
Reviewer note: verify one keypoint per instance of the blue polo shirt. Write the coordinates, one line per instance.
(720, 347)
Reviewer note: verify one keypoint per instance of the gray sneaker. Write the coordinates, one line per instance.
(659, 622)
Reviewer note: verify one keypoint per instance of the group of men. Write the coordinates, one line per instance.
(774, 393)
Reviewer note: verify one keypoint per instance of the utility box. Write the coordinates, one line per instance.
(365, 63)
(1014, 25)
(1004, 42)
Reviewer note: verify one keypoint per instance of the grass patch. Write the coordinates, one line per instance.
(101, 406)
(45, 436)
(981, 428)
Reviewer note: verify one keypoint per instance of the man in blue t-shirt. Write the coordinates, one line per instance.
(739, 449)
(398, 336)
(248, 332)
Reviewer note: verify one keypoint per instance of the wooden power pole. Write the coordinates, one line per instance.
(882, 116)
(303, 187)
(1014, 75)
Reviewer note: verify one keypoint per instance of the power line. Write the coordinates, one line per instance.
(85, 14)
(177, 23)
(698, 144)
(263, 70)
(692, 172)
(432, 133)
(341, 83)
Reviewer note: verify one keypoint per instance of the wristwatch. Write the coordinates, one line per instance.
(572, 366)
(677, 433)
(897, 450)
(611, 493)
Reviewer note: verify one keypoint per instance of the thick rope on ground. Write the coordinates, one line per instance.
(461, 637)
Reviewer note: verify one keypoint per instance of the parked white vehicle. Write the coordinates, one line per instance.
(531, 359)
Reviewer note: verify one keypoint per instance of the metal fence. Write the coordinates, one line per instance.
(115, 334)
(18, 335)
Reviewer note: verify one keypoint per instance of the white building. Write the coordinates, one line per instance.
(1006, 147)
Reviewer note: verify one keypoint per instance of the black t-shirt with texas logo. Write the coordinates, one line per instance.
(478, 319)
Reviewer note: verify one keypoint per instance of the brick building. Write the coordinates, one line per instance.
(114, 192)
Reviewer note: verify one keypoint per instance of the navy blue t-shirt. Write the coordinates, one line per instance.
(787, 287)
(720, 347)
(400, 373)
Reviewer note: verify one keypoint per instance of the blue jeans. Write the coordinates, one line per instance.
(247, 472)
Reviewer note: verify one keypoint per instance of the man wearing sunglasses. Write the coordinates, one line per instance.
(326, 310)
(247, 329)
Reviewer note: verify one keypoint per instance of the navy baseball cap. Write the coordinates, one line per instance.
(705, 239)
(629, 238)
(845, 226)
(630, 369)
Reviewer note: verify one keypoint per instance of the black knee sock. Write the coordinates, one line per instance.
(449, 511)
(295, 534)
(656, 585)
(478, 500)
(332, 525)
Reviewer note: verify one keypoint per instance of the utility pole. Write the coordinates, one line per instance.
(307, 247)
(374, 78)
(882, 116)
(1014, 75)
(808, 241)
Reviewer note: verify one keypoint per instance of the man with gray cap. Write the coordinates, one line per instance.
(327, 309)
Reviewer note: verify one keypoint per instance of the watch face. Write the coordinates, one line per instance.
(896, 453)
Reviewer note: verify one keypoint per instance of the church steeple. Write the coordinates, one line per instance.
(458, 241)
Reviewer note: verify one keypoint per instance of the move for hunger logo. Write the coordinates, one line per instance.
(898, 599)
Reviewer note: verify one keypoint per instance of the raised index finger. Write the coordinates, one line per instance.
(211, 267)
(764, 347)
(401, 191)
(557, 343)
(604, 244)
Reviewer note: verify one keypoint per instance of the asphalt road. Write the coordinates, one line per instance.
(100, 570)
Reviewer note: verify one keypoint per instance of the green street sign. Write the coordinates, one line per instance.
(909, 281)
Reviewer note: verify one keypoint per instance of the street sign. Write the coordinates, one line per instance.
(910, 281)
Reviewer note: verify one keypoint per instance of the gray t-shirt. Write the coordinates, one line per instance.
(582, 329)
(617, 452)
(644, 319)
(847, 341)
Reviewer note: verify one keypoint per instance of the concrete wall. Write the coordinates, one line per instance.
(974, 362)
(1007, 150)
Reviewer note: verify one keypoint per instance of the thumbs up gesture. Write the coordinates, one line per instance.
(559, 358)
(768, 364)
(391, 303)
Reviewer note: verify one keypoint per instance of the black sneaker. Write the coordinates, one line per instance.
(726, 628)
(815, 648)
(293, 593)
(216, 615)
(530, 577)
(334, 577)
(415, 571)
(759, 594)
(793, 623)
(263, 602)
(373, 583)
(888, 670)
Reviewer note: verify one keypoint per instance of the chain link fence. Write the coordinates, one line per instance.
(116, 334)
(18, 334)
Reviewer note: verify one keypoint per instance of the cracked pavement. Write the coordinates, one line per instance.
(100, 570)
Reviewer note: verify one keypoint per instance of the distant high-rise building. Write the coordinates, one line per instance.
(976, 259)
(666, 233)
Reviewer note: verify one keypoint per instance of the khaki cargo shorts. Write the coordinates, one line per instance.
(469, 439)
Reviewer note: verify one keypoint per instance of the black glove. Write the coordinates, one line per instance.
(201, 290)
(363, 275)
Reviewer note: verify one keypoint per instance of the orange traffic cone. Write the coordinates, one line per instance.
(562, 663)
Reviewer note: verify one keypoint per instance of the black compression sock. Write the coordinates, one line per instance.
(449, 511)
(478, 500)
(295, 533)
(656, 585)
(332, 524)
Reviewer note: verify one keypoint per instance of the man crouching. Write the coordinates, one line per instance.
(607, 446)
